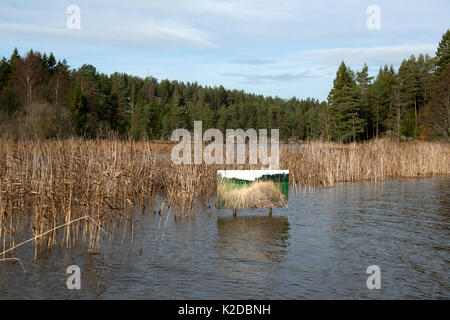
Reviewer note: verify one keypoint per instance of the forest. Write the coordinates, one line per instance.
(277, 177)
(42, 97)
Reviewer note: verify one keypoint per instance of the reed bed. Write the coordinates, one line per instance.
(323, 164)
(54, 182)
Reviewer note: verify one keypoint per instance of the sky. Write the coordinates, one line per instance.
(284, 48)
(248, 174)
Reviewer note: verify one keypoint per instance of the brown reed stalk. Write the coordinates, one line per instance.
(51, 230)
(53, 182)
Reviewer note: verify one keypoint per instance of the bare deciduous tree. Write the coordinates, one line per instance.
(29, 72)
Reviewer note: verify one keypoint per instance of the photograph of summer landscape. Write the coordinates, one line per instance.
(246, 189)
(91, 93)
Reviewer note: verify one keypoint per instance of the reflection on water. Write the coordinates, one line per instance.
(249, 248)
(319, 247)
(252, 238)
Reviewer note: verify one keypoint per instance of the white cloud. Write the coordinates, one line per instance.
(260, 46)
(271, 77)
(376, 56)
(103, 25)
(143, 35)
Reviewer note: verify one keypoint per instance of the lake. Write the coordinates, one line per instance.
(317, 248)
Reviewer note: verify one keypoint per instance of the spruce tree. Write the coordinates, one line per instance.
(364, 83)
(345, 107)
(409, 90)
(77, 106)
(382, 100)
(443, 54)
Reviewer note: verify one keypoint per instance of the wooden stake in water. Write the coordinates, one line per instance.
(234, 212)
(270, 212)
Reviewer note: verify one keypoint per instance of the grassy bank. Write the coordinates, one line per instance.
(55, 182)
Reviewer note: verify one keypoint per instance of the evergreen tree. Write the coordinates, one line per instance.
(357, 108)
(208, 117)
(140, 121)
(119, 103)
(443, 53)
(14, 56)
(5, 72)
(364, 82)
(345, 107)
(409, 91)
(381, 97)
(77, 106)
(435, 118)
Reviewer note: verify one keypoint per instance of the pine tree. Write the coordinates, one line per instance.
(376, 103)
(12, 60)
(409, 91)
(345, 107)
(363, 79)
(119, 103)
(364, 83)
(5, 72)
(443, 54)
(382, 101)
(140, 123)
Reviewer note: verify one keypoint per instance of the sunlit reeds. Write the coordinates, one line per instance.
(325, 164)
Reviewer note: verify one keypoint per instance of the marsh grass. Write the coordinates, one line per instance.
(53, 182)
(325, 164)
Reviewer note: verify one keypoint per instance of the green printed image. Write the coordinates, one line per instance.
(246, 189)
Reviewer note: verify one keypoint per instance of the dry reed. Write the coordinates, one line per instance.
(325, 164)
(54, 182)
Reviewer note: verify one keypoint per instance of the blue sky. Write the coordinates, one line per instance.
(279, 47)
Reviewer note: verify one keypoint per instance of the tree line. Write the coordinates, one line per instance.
(44, 97)
(277, 177)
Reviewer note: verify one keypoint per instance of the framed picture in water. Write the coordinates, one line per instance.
(247, 189)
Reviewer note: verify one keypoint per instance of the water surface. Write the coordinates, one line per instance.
(318, 248)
